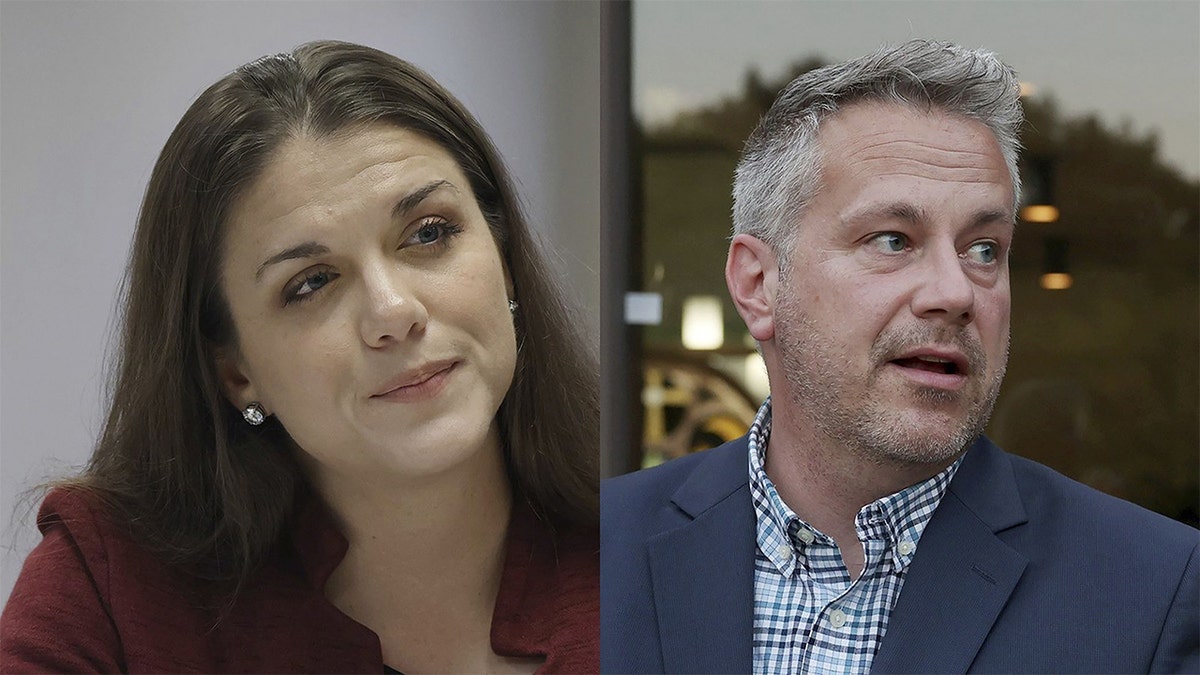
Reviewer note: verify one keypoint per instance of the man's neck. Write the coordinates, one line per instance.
(826, 483)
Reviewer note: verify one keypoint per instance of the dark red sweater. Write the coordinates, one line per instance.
(91, 600)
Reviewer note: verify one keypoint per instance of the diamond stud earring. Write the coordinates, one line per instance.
(254, 414)
(512, 306)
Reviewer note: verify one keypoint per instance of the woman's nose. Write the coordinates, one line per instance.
(392, 311)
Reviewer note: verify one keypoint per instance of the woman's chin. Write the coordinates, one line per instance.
(440, 444)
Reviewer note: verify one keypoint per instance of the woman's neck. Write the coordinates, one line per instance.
(425, 559)
(413, 518)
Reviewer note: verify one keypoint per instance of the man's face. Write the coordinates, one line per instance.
(892, 323)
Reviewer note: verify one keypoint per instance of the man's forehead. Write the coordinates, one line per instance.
(872, 119)
(894, 139)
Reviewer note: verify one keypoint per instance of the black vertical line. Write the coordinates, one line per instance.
(620, 261)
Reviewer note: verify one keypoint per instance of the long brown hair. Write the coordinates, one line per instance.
(199, 486)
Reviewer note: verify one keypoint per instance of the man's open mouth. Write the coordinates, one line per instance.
(933, 364)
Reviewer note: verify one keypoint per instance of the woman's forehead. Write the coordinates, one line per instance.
(325, 177)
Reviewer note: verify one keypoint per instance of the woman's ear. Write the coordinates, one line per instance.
(752, 275)
(509, 288)
(234, 380)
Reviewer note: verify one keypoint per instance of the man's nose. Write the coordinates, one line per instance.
(944, 292)
(392, 310)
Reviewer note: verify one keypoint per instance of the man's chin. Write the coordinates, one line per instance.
(914, 436)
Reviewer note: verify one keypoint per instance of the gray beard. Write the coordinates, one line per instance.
(866, 425)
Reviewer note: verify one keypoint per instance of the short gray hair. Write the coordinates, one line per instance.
(780, 169)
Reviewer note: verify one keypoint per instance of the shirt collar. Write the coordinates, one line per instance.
(783, 537)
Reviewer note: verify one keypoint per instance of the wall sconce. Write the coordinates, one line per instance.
(1056, 275)
(1038, 195)
(754, 374)
(703, 323)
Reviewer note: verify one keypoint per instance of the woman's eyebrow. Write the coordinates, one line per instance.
(308, 249)
(311, 249)
(414, 198)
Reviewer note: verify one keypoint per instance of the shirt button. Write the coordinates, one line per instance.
(906, 547)
(806, 536)
(837, 618)
(784, 551)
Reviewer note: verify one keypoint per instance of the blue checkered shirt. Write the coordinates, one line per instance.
(809, 616)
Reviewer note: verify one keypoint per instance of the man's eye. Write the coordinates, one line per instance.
(889, 242)
(984, 252)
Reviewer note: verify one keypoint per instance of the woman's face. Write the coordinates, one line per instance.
(371, 304)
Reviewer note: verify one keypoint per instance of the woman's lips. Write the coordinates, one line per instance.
(426, 386)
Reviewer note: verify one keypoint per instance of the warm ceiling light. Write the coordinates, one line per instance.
(703, 323)
(1056, 281)
(1028, 89)
(1039, 213)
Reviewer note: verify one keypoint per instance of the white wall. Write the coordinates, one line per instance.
(89, 92)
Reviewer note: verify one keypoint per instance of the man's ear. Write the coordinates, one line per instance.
(752, 275)
(235, 383)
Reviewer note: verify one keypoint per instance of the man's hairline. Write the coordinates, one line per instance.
(783, 248)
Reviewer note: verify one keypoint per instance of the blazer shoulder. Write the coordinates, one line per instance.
(78, 509)
(1095, 513)
(83, 518)
(635, 492)
(1120, 581)
(59, 615)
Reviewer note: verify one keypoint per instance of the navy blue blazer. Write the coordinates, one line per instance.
(1020, 570)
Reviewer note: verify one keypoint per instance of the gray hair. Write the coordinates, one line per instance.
(780, 169)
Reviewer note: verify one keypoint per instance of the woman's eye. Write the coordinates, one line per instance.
(985, 252)
(312, 282)
(890, 242)
(429, 233)
(434, 231)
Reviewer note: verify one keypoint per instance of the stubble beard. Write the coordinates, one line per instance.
(864, 422)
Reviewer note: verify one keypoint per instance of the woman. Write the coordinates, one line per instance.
(353, 427)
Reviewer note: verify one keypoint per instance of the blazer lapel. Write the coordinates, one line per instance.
(962, 574)
(703, 571)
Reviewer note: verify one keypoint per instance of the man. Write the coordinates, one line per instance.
(864, 524)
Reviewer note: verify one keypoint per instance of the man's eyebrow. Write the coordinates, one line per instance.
(909, 213)
(308, 249)
(993, 216)
(914, 215)
(414, 198)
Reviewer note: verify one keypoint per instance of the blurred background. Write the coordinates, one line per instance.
(1102, 381)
